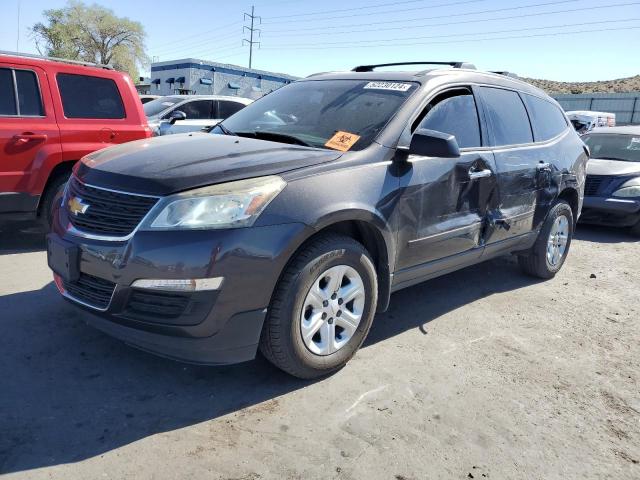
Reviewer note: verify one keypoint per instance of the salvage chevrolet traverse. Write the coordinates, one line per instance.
(286, 227)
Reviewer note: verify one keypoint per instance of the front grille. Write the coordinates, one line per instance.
(109, 213)
(91, 290)
(592, 185)
(156, 304)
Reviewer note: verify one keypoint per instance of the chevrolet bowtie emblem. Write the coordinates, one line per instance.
(76, 206)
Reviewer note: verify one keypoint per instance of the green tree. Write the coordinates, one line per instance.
(92, 33)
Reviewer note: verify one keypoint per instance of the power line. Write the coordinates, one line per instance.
(342, 10)
(379, 43)
(197, 44)
(472, 39)
(217, 29)
(465, 14)
(442, 24)
(251, 30)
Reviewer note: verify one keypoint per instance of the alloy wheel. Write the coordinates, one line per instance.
(332, 310)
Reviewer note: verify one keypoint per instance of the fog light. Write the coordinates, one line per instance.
(186, 285)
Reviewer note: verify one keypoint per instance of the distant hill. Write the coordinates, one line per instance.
(620, 85)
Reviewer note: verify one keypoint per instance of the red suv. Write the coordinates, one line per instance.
(52, 113)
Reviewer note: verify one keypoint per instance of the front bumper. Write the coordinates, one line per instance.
(615, 212)
(208, 327)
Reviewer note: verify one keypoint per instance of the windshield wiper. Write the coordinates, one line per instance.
(224, 129)
(281, 137)
(611, 158)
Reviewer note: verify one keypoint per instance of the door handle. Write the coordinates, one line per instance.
(27, 137)
(543, 167)
(476, 174)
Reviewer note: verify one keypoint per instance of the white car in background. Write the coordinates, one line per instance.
(188, 113)
(586, 120)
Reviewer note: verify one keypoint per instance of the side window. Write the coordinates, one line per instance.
(198, 110)
(84, 96)
(546, 118)
(507, 116)
(29, 100)
(226, 108)
(454, 112)
(7, 93)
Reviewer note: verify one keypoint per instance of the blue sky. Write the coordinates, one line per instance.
(568, 40)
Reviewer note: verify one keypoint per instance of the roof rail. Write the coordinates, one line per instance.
(370, 68)
(56, 59)
(506, 74)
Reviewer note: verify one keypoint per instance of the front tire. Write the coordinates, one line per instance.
(548, 254)
(53, 194)
(635, 230)
(322, 308)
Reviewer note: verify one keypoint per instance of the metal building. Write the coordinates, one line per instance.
(626, 106)
(191, 76)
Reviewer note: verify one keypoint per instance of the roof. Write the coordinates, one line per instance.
(589, 113)
(246, 101)
(461, 74)
(16, 57)
(623, 130)
(208, 65)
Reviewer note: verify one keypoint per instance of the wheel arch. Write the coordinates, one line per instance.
(572, 197)
(60, 170)
(372, 232)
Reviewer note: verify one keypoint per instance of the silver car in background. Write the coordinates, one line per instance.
(188, 113)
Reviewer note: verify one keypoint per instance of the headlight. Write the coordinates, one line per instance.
(627, 192)
(228, 205)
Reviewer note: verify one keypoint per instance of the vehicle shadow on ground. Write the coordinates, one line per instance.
(70, 392)
(21, 238)
(599, 234)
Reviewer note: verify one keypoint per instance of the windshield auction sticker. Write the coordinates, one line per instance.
(342, 141)
(395, 86)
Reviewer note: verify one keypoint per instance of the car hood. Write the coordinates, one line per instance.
(597, 166)
(172, 163)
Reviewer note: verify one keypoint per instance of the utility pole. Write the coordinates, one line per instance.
(251, 30)
(18, 36)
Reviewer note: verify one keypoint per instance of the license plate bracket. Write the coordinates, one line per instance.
(63, 258)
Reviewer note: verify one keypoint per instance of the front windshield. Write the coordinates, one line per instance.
(339, 114)
(613, 146)
(158, 105)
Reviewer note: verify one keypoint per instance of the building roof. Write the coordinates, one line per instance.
(206, 64)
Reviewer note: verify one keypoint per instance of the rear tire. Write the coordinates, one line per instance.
(635, 230)
(52, 194)
(310, 331)
(548, 254)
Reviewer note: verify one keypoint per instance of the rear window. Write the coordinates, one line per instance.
(90, 97)
(547, 119)
(507, 116)
(28, 93)
(227, 108)
(26, 87)
(7, 93)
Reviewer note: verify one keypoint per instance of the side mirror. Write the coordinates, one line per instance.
(177, 115)
(430, 143)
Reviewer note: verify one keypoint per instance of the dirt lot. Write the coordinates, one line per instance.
(484, 373)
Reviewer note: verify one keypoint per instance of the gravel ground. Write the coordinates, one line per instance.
(484, 373)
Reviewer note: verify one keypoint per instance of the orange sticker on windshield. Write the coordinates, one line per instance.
(342, 141)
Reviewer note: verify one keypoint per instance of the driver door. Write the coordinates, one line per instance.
(444, 202)
(199, 115)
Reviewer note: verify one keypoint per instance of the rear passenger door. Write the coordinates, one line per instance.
(517, 162)
(29, 136)
(226, 108)
(91, 113)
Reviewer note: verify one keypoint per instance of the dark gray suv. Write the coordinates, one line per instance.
(291, 223)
